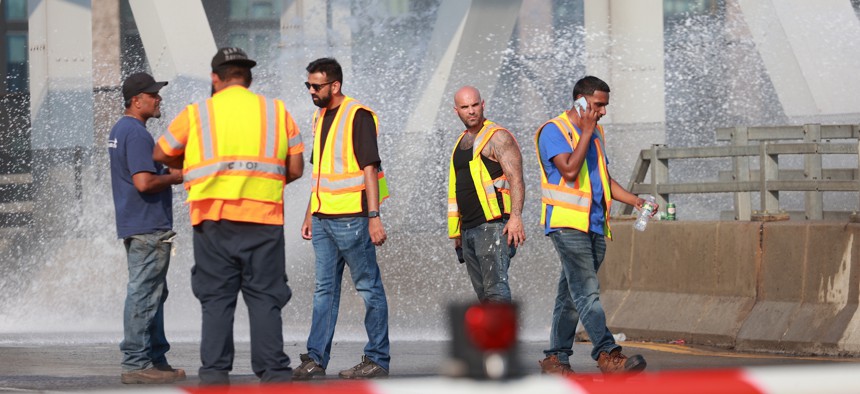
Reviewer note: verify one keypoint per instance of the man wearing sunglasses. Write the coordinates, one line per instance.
(343, 222)
(143, 202)
(238, 150)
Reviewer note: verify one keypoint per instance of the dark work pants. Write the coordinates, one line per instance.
(228, 257)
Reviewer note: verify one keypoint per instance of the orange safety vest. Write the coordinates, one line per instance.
(338, 181)
(571, 202)
(483, 181)
(237, 148)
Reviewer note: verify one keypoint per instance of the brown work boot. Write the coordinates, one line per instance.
(366, 369)
(308, 369)
(178, 373)
(150, 375)
(551, 366)
(615, 362)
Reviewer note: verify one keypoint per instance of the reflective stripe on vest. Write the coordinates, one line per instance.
(481, 179)
(243, 167)
(571, 201)
(337, 178)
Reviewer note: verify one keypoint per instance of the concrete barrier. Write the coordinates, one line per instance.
(787, 286)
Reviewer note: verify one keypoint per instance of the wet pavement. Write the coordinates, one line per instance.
(86, 367)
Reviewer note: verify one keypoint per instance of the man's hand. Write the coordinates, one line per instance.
(307, 230)
(515, 232)
(377, 232)
(640, 202)
(177, 175)
(587, 122)
(458, 243)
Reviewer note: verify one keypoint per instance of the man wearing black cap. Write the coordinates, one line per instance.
(238, 150)
(144, 220)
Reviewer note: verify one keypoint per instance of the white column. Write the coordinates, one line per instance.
(179, 47)
(176, 37)
(61, 77)
(624, 47)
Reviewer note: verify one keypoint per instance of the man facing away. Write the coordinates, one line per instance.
(143, 202)
(576, 193)
(238, 151)
(343, 222)
(485, 197)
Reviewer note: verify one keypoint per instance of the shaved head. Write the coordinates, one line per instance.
(469, 107)
(466, 93)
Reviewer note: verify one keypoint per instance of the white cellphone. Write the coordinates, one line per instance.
(580, 104)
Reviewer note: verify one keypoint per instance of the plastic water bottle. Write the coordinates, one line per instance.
(645, 213)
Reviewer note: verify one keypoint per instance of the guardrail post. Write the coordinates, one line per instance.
(659, 174)
(813, 203)
(741, 173)
(769, 171)
(640, 169)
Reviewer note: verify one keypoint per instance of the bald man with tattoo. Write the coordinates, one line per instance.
(485, 198)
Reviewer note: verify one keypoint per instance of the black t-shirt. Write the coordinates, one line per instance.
(364, 144)
(471, 213)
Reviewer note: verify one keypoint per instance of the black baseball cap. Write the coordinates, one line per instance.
(232, 55)
(140, 83)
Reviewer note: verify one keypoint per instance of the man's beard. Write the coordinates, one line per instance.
(321, 102)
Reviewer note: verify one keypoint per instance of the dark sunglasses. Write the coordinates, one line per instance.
(317, 86)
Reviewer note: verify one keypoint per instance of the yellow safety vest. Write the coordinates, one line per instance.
(571, 202)
(483, 182)
(337, 178)
(237, 148)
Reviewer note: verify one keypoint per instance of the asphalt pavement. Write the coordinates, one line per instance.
(86, 367)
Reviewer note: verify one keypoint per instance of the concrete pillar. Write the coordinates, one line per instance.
(803, 45)
(179, 46)
(107, 70)
(176, 37)
(61, 110)
(61, 77)
(624, 43)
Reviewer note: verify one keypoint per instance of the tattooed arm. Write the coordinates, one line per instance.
(504, 149)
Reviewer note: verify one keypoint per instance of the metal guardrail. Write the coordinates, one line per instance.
(769, 180)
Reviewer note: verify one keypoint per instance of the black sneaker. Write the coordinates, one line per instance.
(308, 369)
(366, 369)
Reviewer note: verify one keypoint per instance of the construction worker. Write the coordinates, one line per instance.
(237, 150)
(485, 197)
(344, 222)
(576, 194)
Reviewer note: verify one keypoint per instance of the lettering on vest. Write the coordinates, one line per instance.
(242, 165)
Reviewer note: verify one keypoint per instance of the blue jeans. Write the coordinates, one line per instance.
(578, 295)
(339, 242)
(488, 256)
(144, 343)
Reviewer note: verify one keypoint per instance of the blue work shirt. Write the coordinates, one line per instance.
(130, 149)
(552, 142)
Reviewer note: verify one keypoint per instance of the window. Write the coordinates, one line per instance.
(16, 62)
(16, 10)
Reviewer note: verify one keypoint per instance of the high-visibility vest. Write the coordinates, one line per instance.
(338, 181)
(237, 148)
(484, 184)
(571, 202)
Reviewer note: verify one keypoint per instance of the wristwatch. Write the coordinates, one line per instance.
(373, 214)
